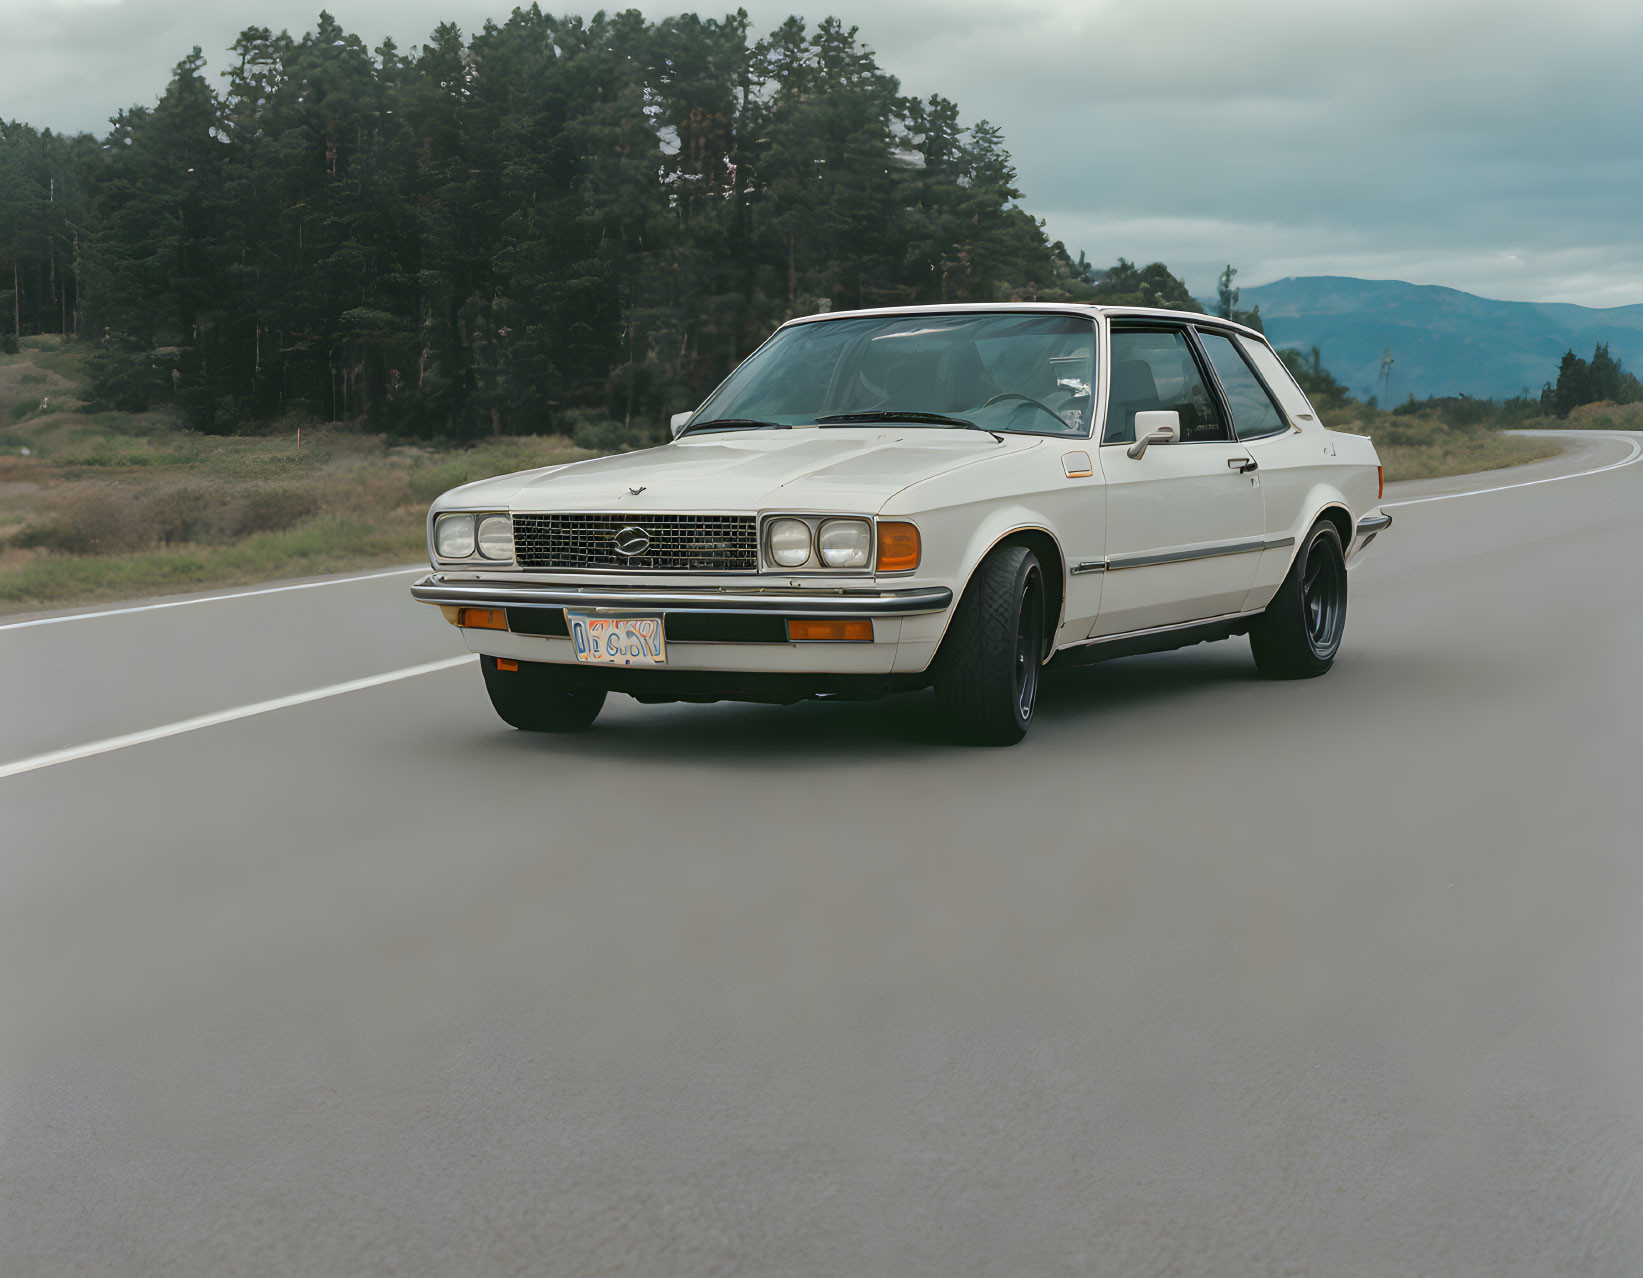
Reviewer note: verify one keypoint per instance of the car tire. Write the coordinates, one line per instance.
(987, 677)
(540, 697)
(1300, 632)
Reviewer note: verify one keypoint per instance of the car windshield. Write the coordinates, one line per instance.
(1024, 372)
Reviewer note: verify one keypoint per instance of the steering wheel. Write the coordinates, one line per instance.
(1028, 399)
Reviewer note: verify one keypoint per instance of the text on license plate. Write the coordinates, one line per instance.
(618, 641)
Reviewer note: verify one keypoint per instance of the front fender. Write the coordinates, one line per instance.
(957, 538)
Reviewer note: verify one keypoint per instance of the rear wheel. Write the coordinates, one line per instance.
(1300, 632)
(988, 673)
(539, 697)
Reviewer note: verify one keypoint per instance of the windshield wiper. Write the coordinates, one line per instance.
(734, 423)
(892, 415)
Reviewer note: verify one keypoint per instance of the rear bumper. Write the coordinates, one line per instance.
(1369, 527)
(436, 589)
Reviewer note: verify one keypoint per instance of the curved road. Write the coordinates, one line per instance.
(1211, 975)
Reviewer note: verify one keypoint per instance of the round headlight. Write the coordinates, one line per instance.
(845, 543)
(454, 536)
(496, 537)
(789, 542)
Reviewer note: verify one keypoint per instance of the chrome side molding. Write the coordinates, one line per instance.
(1208, 550)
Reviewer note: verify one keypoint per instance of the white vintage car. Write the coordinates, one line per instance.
(941, 496)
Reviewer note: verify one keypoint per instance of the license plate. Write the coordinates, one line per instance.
(618, 641)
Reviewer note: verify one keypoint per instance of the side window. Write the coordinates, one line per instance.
(1154, 369)
(1279, 379)
(1254, 415)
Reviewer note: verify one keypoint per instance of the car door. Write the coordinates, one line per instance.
(1291, 462)
(1184, 520)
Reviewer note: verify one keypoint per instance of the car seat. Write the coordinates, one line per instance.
(1133, 391)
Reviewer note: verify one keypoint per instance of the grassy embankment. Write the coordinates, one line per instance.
(111, 505)
(1424, 446)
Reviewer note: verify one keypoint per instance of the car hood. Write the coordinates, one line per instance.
(830, 469)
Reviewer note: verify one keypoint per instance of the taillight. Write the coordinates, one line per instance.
(1380, 482)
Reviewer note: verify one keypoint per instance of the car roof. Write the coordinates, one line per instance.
(1064, 308)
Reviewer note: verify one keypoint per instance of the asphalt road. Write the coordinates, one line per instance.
(1210, 976)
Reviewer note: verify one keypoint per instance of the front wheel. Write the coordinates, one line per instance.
(1300, 632)
(987, 676)
(536, 696)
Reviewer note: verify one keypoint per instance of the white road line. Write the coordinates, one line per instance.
(183, 603)
(1637, 451)
(55, 757)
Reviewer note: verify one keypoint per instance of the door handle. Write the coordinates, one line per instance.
(1243, 465)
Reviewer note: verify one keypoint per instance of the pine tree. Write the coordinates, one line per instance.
(1572, 384)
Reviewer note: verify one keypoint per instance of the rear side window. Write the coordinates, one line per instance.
(1278, 378)
(1154, 369)
(1254, 415)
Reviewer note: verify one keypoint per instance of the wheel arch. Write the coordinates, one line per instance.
(1341, 517)
(1046, 546)
(1321, 505)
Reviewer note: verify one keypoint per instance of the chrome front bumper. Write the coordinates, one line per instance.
(436, 589)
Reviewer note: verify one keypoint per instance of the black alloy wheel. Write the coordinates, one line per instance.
(1299, 634)
(1029, 645)
(987, 673)
(1323, 597)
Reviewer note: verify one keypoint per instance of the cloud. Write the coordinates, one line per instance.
(1488, 146)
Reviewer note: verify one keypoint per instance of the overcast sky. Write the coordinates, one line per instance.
(1491, 146)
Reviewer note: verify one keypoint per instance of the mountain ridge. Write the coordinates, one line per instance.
(1444, 341)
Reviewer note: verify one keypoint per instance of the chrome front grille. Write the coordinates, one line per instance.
(678, 543)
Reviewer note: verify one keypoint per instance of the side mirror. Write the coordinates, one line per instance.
(678, 421)
(1161, 426)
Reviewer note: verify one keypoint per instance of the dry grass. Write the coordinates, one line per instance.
(117, 505)
(1606, 416)
(1422, 446)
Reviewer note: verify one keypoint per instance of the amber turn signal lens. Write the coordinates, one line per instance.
(483, 619)
(899, 548)
(502, 663)
(835, 631)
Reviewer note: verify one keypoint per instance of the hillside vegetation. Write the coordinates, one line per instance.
(102, 504)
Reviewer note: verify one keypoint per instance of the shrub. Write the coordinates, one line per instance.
(273, 510)
(610, 437)
(184, 514)
(8, 343)
(90, 523)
